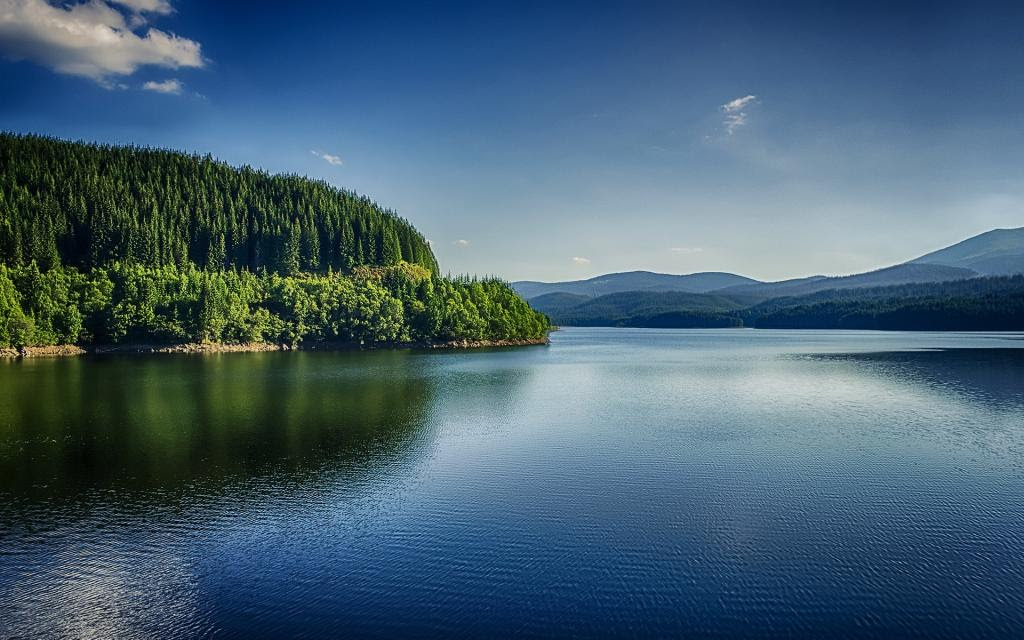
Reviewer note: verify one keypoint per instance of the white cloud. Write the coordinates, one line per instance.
(461, 243)
(92, 39)
(686, 250)
(735, 114)
(738, 103)
(327, 157)
(165, 86)
(579, 260)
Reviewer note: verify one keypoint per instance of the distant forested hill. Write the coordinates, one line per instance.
(643, 308)
(980, 304)
(994, 304)
(103, 244)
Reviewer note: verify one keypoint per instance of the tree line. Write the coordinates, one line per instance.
(133, 303)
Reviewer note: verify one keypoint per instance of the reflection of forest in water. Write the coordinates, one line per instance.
(993, 377)
(155, 425)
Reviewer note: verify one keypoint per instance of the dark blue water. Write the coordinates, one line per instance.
(619, 483)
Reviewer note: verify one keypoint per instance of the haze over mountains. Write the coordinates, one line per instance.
(996, 252)
(961, 286)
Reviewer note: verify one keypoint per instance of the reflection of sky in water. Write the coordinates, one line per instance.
(619, 482)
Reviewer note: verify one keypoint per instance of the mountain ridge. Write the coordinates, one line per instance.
(699, 282)
(992, 253)
(897, 274)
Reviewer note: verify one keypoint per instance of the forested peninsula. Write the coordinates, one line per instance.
(122, 246)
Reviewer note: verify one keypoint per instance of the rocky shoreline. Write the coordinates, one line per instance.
(250, 347)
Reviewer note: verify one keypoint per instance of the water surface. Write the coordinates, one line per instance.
(620, 483)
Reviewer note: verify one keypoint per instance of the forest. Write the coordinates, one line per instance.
(102, 244)
(976, 304)
(979, 304)
(658, 309)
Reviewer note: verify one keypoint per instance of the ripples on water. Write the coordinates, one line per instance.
(617, 483)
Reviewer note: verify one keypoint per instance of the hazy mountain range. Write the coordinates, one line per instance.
(968, 276)
(634, 281)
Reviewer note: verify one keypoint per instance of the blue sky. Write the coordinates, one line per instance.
(564, 140)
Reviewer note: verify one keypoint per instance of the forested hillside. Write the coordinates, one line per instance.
(124, 245)
(981, 304)
(86, 205)
(644, 309)
(992, 304)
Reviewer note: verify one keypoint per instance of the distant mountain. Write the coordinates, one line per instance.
(643, 309)
(983, 286)
(977, 304)
(899, 274)
(945, 290)
(557, 303)
(634, 281)
(996, 252)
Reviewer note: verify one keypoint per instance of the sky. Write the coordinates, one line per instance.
(562, 140)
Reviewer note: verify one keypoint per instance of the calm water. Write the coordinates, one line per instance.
(617, 483)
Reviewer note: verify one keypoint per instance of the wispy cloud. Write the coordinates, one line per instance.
(162, 7)
(165, 86)
(327, 157)
(735, 112)
(686, 250)
(92, 39)
(461, 243)
(139, 8)
(579, 260)
(739, 103)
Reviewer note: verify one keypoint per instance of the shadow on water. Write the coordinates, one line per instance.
(142, 496)
(160, 427)
(993, 377)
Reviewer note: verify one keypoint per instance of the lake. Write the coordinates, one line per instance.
(617, 483)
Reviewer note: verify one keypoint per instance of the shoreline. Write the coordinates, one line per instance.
(60, 351)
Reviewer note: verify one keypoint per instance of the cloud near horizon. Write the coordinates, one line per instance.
(685, 250)
(327, 157)
(579, 260)
(93, 39)
(461, 243)
(735, 114)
